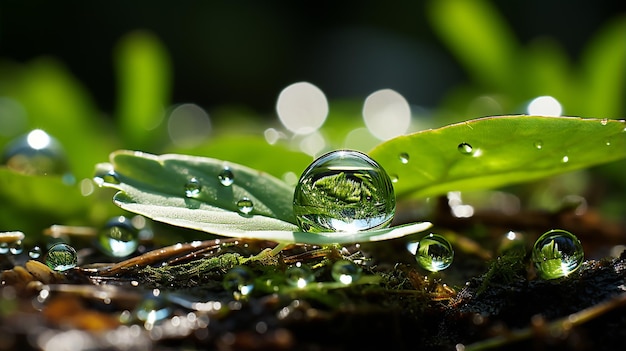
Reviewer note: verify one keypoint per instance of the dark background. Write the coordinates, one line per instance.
(244, 52)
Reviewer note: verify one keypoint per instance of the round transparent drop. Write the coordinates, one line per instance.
(344, 191)
(61, 257)
(245, 205)
(465, 148)
(118, 237)
(346, 272)
(193, 187)
(299, 276)
(36, 153)
(16, 247)
(557, 253)
(35, 252)
(4, 248)
(239, 279)
(434, 253)
(226, 177)
(404, 158)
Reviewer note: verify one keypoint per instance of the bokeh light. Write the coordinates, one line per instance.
(188, 125)
(545, 106)
(387, 114)
(302, 108)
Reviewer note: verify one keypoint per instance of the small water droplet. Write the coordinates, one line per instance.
(465, 148)
(239, 279)
(193, 187)
(538, 144)
(226, 177)
(346, 272)
(434, 253)
(36, 153)
(106, 177)
(557, 253)
(16, 247)
(4, 248)
(299, 276)
(565, 159)
(604, 121)
(394, 178)
(152, 310)
(344, 191)
(118, 237)
(61, 257)
(35, 252)
(607, 143)
(404, 157)
(245, 205)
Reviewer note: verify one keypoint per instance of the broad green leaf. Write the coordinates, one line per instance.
(143, 79)
(505, 150)
(154, 186)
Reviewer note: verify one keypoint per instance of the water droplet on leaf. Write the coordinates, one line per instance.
(226, 177)
(35, 252)
(434, 253)
(604, 121)
(565, 159)
(61, 257)
(106, 177)
(346, 272)
(344, 191)
(193, 187)
(36, 153)
(118, 237)
(245, 205)
(465, 148)
(538, 144)
(239, 279)
(404, 157)
(299, 276)
(557, 253)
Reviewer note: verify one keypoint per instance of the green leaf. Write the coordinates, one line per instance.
(154, 186)
(505, 150)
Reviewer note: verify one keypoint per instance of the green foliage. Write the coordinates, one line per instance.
(505, 150)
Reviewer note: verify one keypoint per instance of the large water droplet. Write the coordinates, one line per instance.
(35, 252)
(193, 187)
(465, 148)
(226, 177)
(245, 205)
(299, 276)
(36, 153)
(344, 191)
(346, 272)
(434, 253)
(61, 257)
(239, 279)
(118, 237)
(404, 157)
(557, 253)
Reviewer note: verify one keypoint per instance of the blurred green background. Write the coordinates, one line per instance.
(101, 76)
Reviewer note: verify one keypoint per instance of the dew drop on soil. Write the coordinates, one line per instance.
(344, 191)
(35, 252)
(299, 276)
(346, 272)
(433, 252)
(557, 253)
(239, 279)
(226, 177)
(61, 257)
(193, 187)
(245, 205)
(118, 237)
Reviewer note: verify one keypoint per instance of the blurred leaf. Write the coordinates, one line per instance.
(55, 102)
(143, 77)
(604, 71)
(479, 38)
(504, 151)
